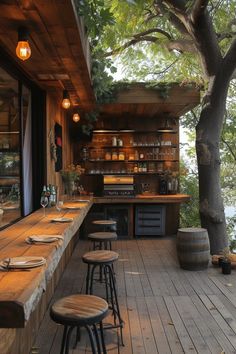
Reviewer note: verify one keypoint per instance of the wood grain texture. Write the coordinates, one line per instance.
(79, 309)
(100, 256)
(21, 290)
(165, 309)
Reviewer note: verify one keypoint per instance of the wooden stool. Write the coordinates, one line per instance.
(77, 311)
(107, 225)
(102, 240)
(104, 259)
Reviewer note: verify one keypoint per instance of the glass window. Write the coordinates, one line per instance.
(10, 162)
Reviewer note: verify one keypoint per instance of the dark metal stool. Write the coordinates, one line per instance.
(104, 259)
(77, 311)
(102, 240)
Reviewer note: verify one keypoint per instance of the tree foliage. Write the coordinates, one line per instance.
(184, 40)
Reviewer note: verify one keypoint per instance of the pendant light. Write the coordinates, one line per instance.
(66, 100)
(23, 50)
(167, 128)
(76, 117)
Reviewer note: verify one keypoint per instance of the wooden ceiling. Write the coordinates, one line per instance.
(60, 55)
(137, 100)
(60, 60)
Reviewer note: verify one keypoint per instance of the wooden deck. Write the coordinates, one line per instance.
(165, 309)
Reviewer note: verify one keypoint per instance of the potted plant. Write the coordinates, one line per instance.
(226, 262)
(70, 175)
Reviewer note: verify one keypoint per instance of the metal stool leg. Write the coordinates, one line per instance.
(102, 338)
(88, 279)
(64, 339)
(91, 337)
(68, 339)
(114, 300)
(97, 339)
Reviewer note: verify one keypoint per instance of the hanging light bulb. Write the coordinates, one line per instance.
(76, 117)
(66, 100)
(23, 50)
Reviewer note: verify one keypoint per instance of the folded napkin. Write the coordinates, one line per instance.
(63, 219)
(22, 262)
(43, 238)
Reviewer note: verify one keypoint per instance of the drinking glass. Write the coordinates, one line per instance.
(44, 203)
(59, 206)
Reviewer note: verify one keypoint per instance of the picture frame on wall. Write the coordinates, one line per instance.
(58, 143)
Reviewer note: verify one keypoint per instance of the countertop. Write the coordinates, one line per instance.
(142, 198)
(20, 290)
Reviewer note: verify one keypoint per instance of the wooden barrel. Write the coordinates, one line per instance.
(193, 248)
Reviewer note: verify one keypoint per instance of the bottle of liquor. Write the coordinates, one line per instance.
(163, 186)
(48, 194)
(53, 196)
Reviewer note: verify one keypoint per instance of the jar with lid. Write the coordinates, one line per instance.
(107, 155)
(121, 155)
(114, 156)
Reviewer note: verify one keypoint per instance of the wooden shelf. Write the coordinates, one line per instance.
(131, 147)
(134, 161)
(130, 131)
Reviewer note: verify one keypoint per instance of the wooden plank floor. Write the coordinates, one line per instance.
(165, 309)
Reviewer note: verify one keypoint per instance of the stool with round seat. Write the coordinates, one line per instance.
(107, 225)
(103, 239)
(104, 259)
(77, 311)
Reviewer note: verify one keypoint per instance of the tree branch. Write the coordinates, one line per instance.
(153, 30)
(166, 68)
(200, 28)
(198, 9)
(229, 147)
(139, 37)
(162, 8)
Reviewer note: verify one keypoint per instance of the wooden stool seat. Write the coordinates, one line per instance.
(102, 240)
(79, 310)
(100, 257)
(103, 236)
(104, 222)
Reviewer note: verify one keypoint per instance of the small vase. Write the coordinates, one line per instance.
(226, 267)
(69, 187)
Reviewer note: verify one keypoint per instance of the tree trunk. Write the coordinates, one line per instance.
(211, 206)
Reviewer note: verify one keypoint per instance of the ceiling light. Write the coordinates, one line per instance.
(23, 50)
(66, 100)
(76, 117)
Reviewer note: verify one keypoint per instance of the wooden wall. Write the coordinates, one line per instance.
(55, 114)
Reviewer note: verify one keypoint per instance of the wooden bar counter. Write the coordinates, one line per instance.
(142, 198)
(25, 293)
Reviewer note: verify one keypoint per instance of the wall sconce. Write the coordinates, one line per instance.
(76, 117)
(66, 100)
(23, 50)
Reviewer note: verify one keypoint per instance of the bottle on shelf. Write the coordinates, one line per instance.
(114, 141)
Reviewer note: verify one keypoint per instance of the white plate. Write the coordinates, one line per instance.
(63, 219)
(81, 201)
(43, 238)
(22, 262)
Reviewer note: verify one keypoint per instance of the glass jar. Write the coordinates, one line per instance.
(114, 156)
